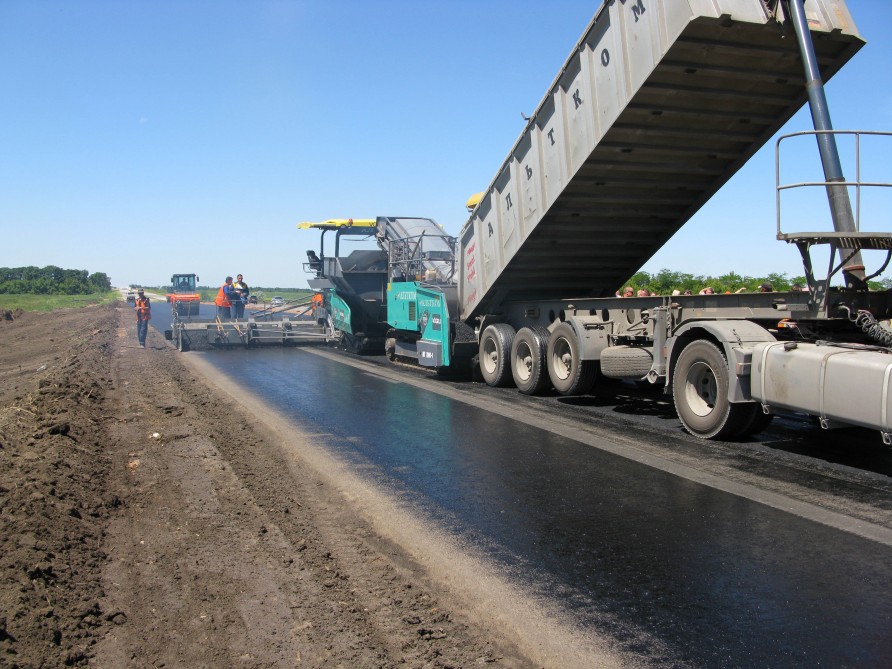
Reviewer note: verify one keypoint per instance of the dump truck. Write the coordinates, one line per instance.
(183, 295)
(657, 106)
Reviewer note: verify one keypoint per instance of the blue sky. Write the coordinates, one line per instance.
(145, 138)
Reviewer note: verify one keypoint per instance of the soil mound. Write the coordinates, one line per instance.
(146, 521)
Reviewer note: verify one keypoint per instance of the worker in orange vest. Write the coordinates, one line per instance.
(224, 299)
(317, 303)
(143, 315)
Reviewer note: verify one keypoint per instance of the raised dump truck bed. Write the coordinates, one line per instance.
(658, 105)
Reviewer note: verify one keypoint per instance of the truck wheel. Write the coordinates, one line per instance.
(495, 354)
(528, 355)
(757, 421)
(569, 373)
(626, 362)
(700, 391)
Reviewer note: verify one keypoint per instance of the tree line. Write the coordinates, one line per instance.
(51, 280)
(665, 281)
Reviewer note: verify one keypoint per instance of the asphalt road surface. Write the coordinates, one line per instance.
(771, 552)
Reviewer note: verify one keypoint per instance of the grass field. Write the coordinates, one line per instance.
(51, 302)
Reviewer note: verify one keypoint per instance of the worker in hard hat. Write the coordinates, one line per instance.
(143, 315)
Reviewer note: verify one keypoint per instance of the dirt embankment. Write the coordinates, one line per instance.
(145, 521)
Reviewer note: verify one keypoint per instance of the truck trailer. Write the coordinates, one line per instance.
(657, 106)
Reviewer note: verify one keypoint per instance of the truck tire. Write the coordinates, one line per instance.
(700, 392)
(495, 354)
(626, 362)
(756, 422)
(569, 373)
(528, 356)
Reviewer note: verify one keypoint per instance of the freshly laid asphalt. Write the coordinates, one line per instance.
(647, 554)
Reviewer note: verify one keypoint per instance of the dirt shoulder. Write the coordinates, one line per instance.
(146, 521)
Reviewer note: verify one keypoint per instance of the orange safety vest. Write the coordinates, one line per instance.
(222, 299)
(143, 309)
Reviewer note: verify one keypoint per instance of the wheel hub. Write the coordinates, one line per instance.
(701, 389)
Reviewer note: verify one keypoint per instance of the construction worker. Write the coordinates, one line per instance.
(225, 296)
(317, 302)
(143, 315)
(241, 292)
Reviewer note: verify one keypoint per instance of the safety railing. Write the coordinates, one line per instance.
(423, 257)
(856, 185)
